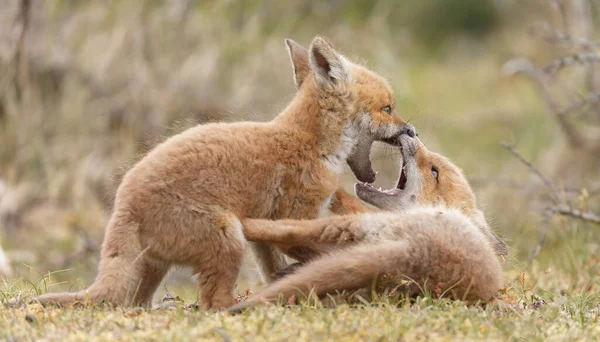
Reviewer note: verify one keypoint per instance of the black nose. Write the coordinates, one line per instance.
(410, 130)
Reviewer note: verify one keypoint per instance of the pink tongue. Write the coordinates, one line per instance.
(393, 192)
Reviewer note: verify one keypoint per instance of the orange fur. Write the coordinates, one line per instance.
(435, 236)
(182, 203)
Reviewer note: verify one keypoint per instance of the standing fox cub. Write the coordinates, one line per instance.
(183, 202)
(436, 237)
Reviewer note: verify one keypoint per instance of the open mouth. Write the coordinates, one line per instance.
(401, 185)
(403, 179)
(403, 193)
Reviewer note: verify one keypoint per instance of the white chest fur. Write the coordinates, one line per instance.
(335, 161)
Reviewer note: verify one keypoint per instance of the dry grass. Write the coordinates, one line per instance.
(558, 317)
(104, 83)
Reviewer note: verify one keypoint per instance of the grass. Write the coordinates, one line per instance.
(534, 305)
(516, 316)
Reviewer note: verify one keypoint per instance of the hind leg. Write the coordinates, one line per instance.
(208, 239)
(269, 261)
(218, 266)
(151, 274)
(127, 280)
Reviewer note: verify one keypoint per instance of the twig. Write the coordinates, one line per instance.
(578, 214)
(553, 36)
(589, 99)
(511, 184)
(523, 65)
(580, 58)
(533, 170)
(542, 77)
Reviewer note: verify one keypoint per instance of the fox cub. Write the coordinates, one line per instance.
(183, 202)
(430, 232)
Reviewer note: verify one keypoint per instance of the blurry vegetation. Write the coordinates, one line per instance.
(436, 22)
(87, 87)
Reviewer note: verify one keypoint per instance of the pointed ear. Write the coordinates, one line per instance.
(299, 58)
(329, 66)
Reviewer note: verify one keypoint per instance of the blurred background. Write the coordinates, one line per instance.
(88, 87)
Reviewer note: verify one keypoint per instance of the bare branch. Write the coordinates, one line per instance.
(534, 170)
(581, 58)
(523, 65)
(590, 99)
(505, 182)
(545, 79)
(578, 214)
(551, 35)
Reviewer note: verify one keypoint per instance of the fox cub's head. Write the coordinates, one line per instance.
(428, 179)
(369, 113)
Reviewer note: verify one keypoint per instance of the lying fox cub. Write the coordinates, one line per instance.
(434, 235)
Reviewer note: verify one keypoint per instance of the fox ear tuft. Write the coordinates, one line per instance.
(299, 58)
(329, 66)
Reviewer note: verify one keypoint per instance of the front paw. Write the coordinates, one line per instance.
(340, 234)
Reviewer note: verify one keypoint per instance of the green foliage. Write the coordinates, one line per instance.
(437, 21)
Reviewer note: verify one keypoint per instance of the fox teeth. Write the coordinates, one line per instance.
(379, 188)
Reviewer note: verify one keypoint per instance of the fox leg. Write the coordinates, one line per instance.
(269, 260)
(126, 281)
(334, 229)
(152, 274)
(218, 263)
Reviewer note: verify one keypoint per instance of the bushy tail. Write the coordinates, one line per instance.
(351, 268)
(62, 298)
(446, 269)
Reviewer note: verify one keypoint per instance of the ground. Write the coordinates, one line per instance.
(518, 314)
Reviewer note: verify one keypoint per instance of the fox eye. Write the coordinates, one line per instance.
(387, 109)
(435, 172)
